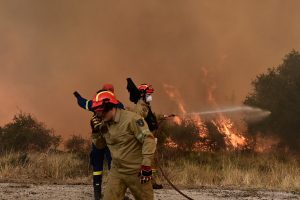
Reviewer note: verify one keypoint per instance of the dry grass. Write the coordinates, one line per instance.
(41, 167)
(267, 171)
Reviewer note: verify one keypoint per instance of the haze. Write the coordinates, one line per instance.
(48, 49)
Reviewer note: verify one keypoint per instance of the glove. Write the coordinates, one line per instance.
(95, 124)
(98, 126)
(76, 94)
(145, 174)
(134, 93)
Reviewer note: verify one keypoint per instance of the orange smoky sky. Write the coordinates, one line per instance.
(48, 49)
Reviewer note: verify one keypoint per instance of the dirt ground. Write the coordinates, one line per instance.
(22, 191)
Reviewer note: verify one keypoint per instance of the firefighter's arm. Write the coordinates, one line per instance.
(144, 136)
(141, 108)
(82, 102)
(98, 129)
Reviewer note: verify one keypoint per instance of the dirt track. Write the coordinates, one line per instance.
(12, 191)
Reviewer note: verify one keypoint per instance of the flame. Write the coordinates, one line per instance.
(203, 132)
(225, 126)
(177, 120)
(201, 147)
(175, 95)
(170, 143)
(232, 137)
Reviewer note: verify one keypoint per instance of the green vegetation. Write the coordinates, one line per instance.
(25, 133)
(278, 90)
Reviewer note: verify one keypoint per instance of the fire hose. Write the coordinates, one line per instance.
(171, 184)
(161, 169)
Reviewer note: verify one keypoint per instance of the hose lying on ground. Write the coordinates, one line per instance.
(162, 171)
(171, 184)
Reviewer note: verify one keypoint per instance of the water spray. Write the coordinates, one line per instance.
(246, 109)
(250, 114)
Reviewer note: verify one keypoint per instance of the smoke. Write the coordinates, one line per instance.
(48, 49)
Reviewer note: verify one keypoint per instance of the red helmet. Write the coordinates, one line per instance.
(146, 88)
(108, 87)
(103, 98)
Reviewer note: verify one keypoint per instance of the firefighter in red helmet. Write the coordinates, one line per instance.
(97, 156)
(142, 97)
(131, 144)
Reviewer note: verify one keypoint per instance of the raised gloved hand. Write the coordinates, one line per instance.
(134, 93)
(95, 123)
(145, 174)
(76, 94)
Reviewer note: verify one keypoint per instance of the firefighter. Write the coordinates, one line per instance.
(132, 147)
(97, 155)
(87, 104)
(142, 97)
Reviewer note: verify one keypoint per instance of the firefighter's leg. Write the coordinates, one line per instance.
(156, 182)
(115, 188)
(97, 157)
(108, 157)
(138, 190)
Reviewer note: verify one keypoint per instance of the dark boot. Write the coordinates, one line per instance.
(156, 182)
(156, 186)
(97, 191)
(97, 182)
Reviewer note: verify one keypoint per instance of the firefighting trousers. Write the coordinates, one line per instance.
(118, 183)
(97, 161)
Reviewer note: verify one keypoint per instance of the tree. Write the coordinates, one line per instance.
(76, 143)
(278, 90)
(26, 133)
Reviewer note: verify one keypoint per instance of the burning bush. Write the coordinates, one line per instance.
(190, 133)
(185, 135)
